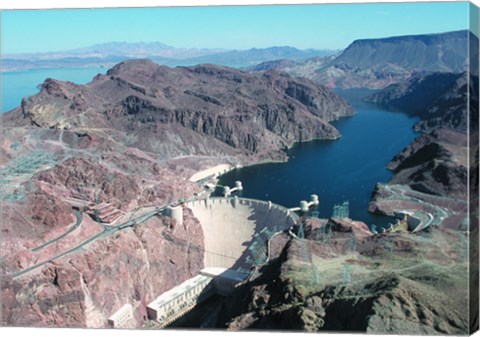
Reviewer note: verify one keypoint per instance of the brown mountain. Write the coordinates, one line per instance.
(231, 110)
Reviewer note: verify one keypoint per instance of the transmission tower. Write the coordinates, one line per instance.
(301, 233)
(347, 276)
(353, 243)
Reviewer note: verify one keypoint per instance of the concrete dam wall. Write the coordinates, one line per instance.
(236, 229)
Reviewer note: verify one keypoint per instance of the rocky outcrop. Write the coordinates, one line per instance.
(88, 181)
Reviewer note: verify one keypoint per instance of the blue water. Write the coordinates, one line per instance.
(19, 84)
(338, 170)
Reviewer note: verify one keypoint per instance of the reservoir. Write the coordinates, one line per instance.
(345, 169)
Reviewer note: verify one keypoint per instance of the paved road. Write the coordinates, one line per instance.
(400, 193)
(107, 231)
(424, 224)
(439, 213)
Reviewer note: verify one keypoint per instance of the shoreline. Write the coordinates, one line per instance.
(211, 171)
(217, 174)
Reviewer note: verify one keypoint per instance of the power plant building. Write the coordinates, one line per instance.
(173, 303)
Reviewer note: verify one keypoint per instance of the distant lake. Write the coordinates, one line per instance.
(345, 169)
(19, 84)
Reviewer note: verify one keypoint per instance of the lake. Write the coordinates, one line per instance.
(345, 169)
(19, 84)
(336, 170)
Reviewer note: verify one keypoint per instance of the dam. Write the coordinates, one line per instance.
(236, 240)
(236, 230)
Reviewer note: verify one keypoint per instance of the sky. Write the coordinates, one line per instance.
(321, 26)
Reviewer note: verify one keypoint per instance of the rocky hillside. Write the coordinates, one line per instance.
(434, 163)
(85, 288)
(439, 99)
(198, 110)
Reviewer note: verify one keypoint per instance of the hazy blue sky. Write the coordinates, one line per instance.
(329, 26)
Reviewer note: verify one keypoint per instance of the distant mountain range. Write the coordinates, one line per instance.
(125, 49)
(109, 54)
(242, 58)
(366, 63)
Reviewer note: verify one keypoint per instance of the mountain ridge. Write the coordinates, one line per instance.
(108, 54)
(214, 101)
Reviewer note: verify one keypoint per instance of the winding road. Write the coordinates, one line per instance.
(400, 193)
(107, 231)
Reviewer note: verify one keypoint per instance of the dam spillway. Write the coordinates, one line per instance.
(234, 228)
